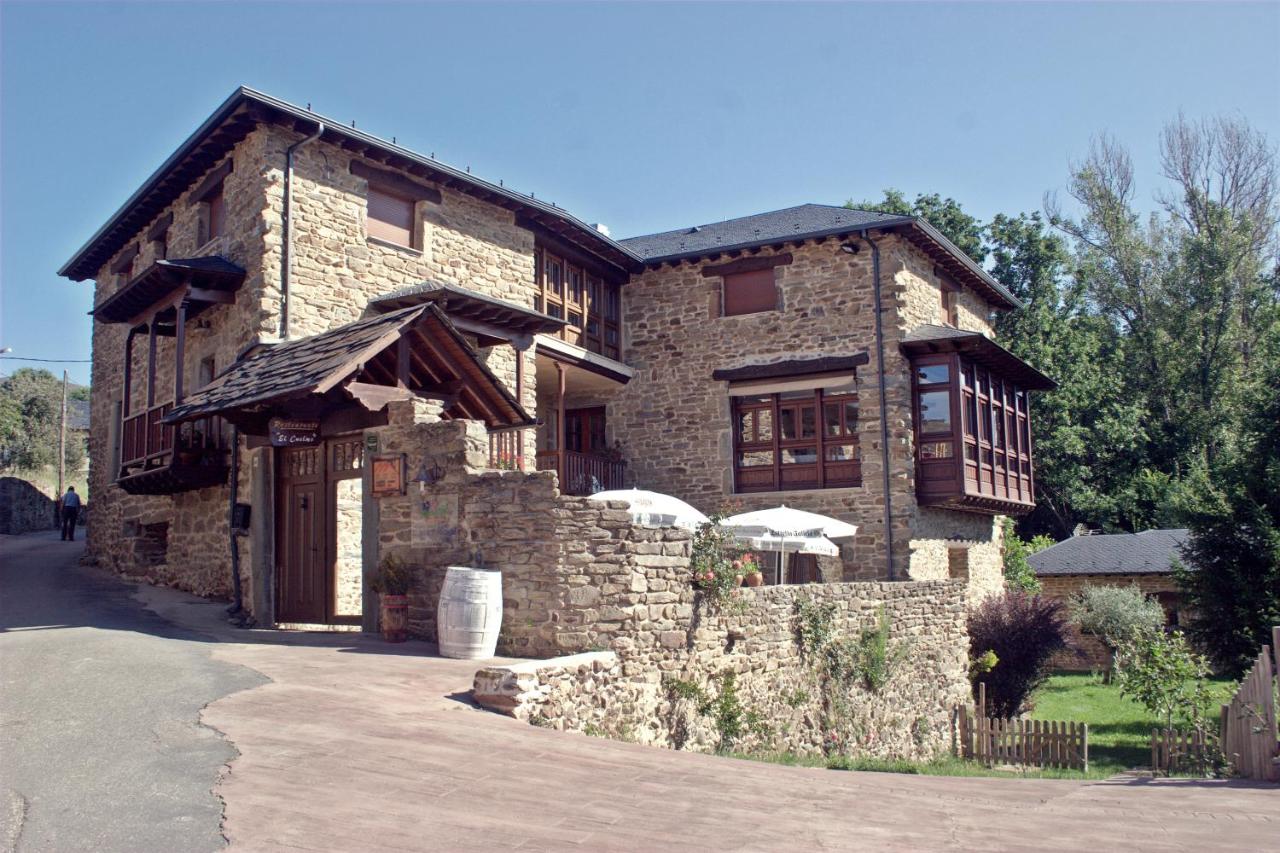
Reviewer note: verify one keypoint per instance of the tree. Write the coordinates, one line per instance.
(1231, 577)
(1161, 672)
(1018, 573)
(30, 411)
(1115, 615)
(944, 214)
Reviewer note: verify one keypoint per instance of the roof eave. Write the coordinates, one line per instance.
(625, 258)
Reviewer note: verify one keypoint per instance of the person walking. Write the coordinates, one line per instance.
(70, 514)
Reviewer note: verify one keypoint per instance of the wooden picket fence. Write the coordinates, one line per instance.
(1249, 737)
(1173, 750)
(1032, 743)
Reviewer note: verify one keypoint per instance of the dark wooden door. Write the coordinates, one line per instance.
(584, 430)
(303, 565)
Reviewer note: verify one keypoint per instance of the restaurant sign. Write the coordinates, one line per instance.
(289, 433)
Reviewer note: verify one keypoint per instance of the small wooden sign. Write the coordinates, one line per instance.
(287, 433)
(387, 475)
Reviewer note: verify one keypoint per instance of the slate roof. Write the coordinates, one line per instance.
(1149, 552)
(806, 222)
(789, 223)
(317, 364)
(469, 304)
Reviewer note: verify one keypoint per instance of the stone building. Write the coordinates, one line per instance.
(283, 281)
(1144, 560)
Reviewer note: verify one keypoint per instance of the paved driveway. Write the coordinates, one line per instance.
(355, 745)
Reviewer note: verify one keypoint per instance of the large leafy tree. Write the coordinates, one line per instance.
(1231, 579)
(945, 214)
(30, 409)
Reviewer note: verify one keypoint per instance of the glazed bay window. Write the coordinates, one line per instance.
(796, 439)
(973, 430)
(590, 305)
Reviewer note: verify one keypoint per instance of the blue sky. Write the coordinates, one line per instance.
(641, 116)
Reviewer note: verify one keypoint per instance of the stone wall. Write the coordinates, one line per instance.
(649, 693)
(579, 576)
(1087, 652)
(673, 420)
(194, 552)
(24, 507)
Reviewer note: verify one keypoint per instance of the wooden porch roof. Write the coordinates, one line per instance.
(490, 319)
(206, 281)
(414, 350)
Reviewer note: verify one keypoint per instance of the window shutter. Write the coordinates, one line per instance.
(217, 215)
(390, 216)
(750, 292)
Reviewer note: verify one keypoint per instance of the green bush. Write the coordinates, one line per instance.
(1162, 673)
(1114, 614)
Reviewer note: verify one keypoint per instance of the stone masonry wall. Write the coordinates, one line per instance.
(335, 272)
(24, 507)
(579, 576)
(673, 421)
(193, 551)
(645, 695)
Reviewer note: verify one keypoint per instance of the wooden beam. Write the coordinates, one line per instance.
(375, 397)
(151, 363)
(125, 260)
(402, 362)
(396, 182)
(203, 294)
(213, 180)
(748, 264)
(560, 383)
(161, 225)
(179, 348)
(128, 371)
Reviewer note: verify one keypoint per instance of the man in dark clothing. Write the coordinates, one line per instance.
(70, 513)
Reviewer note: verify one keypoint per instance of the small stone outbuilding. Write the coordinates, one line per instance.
(1144, 560)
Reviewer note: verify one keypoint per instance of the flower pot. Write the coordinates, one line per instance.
(754, 579)
(394, 617)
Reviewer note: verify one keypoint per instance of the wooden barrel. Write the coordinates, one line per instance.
(470, 613)
(394, 617)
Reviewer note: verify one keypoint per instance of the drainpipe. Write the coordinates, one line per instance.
(286, 233)
(884, 405)
(237, 600)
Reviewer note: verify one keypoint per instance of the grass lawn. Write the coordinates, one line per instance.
(1119, 728)
(1119, 734)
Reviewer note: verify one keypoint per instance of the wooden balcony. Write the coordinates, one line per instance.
(159, 459)
(582, 473)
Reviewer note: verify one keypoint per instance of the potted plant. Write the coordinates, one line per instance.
(392, 583)
(751, 574)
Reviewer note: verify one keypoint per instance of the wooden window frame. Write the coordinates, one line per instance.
(591, 309)
(749, 279)
(989, 436)
(949, 307)
(414, 229)
(828, 473)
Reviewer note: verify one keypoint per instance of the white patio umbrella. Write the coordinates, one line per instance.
(785, 520)
(784, 530)
(655, 508)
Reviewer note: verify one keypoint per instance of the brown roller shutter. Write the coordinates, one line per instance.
(390, 216)
(750, 292)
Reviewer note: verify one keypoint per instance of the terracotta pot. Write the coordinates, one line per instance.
(394, 617)
(754, 579)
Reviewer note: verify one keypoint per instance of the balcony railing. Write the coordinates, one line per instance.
(506, 450)
(583, 473)
(147, 444)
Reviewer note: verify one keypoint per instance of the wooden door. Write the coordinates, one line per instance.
(584, 430)
(303, 565)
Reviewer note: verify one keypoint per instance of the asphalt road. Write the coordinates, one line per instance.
(100, 744)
